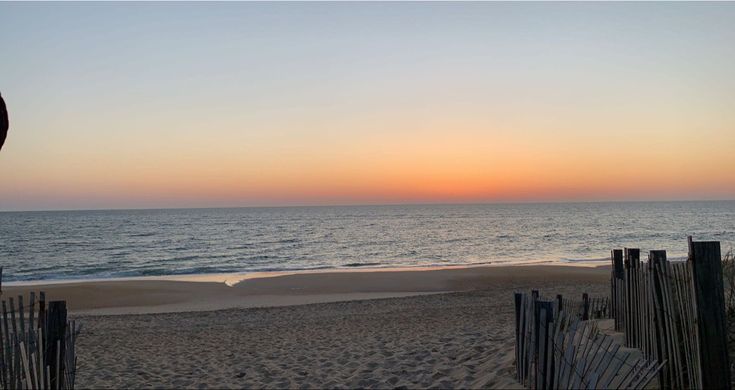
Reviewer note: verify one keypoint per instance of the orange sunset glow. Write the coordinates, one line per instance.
(460, 117)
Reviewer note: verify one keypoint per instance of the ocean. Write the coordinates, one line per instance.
(58, 245)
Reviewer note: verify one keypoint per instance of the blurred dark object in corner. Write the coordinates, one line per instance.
(4, 122)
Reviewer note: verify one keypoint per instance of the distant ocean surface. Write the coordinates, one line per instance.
(128, 243)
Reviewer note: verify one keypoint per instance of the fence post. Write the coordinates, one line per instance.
(585, 307)
(616, 282)
(705, 263)
(632, 261)
(55, 345)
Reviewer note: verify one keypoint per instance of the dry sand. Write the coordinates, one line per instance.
(249, 337)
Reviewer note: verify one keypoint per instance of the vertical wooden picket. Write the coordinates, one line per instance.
(705, 263)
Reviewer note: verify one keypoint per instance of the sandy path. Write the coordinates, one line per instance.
(456, 340)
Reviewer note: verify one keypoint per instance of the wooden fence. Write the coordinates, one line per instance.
(557, 349)
(37, 344)
(674, 312)
(587, 308)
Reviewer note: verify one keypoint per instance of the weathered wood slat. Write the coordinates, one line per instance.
(42, 312)
(655, 259)
(540, 377)
(22, 321)
(5, 352)
(26, 368)
(39, 347)
(31, 318)
(550, 363)
(607, 360)
(23, 345)
(677, 327)
(705, 263)
(594, 354)
(518, 298)
(13, 325)
(613, 369)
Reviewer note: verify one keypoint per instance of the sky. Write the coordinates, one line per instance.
(147, 105)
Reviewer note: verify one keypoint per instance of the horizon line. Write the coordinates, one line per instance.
(379, 205)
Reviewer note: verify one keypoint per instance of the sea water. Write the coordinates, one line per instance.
(127, 243)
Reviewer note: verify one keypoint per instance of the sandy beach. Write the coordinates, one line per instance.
(347, 195)
(409, 328)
